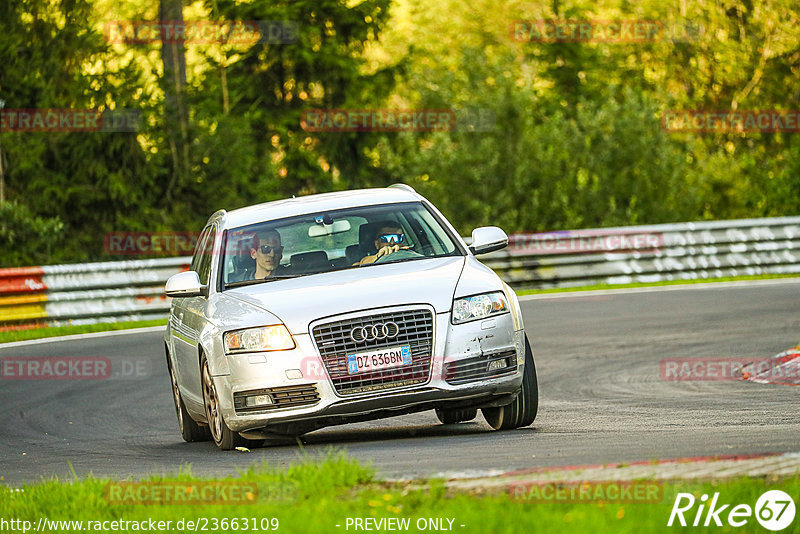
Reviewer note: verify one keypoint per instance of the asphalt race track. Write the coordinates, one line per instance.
(602, 397)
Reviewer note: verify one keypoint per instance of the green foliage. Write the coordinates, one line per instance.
(93, 182)
(576, 140)
(270, 85)
(545, 166)
(26, 239)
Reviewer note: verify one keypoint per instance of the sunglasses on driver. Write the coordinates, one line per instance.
(392, 238)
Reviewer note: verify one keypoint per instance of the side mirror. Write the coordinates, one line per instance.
(488, 239)
(186, 284)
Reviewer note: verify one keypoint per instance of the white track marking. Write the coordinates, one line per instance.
(654, 289)
(89, 335)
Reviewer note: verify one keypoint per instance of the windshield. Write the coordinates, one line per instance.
(341, 239)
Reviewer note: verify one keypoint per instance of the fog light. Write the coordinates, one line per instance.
(497, 364)
(258, 400)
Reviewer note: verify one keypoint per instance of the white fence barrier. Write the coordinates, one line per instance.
(134, 290)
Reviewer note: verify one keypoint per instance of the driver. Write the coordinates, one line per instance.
(389, 238)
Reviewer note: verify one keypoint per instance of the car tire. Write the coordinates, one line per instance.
(190, 429)
(225, 438)
(522, 411)
(450, 417)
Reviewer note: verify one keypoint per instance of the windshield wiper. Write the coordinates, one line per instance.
(242, 283)
(401, 260)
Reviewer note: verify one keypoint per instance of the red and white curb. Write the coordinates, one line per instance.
(698, 469)
(783, 368)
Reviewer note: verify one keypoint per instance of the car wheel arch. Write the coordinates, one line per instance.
(168, 356)
(210, 344)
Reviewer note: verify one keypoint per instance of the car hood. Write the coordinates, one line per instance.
(300, 301)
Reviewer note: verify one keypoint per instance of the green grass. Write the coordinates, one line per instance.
(37, 333)
(314, 496)
(656, 284)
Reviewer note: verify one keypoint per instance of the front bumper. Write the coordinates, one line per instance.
(304, 397)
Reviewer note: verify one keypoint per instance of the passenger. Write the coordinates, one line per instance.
(267, 251)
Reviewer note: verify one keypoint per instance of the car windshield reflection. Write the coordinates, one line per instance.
(333, 241)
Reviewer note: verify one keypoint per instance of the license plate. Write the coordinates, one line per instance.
(375, 360)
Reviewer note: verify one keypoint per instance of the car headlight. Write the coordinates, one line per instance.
(479, 306)
(261, 339)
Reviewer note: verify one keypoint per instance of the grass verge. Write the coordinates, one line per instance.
(38, 333)
(327, 495)
(656, 284)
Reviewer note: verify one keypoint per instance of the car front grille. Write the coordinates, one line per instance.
(282, 397)
(335, 343)
(477, 368)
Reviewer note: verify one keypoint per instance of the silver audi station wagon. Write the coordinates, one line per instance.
(342, 307)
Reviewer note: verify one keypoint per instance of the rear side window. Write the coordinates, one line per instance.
(204, 255)
(198, 248)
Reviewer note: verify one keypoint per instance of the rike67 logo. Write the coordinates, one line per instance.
(774, 510)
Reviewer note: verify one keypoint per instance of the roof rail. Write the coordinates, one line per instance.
(219, 214)
(404, 187)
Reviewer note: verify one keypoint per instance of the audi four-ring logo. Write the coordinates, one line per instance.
(374, 332)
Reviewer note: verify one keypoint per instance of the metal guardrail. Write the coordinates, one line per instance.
(682, 251)
(134, 290)
(57, 295)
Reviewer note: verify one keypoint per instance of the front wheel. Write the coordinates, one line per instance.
(225, 438)
(522, 411)
(449, 417)
(190, 430)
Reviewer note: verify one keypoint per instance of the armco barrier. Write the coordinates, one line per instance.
(56, 295)
(134, 290)
(682, 251)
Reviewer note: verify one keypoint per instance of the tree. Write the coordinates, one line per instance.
(93, 182)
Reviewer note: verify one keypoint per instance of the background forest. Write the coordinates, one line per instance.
(568, 133)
